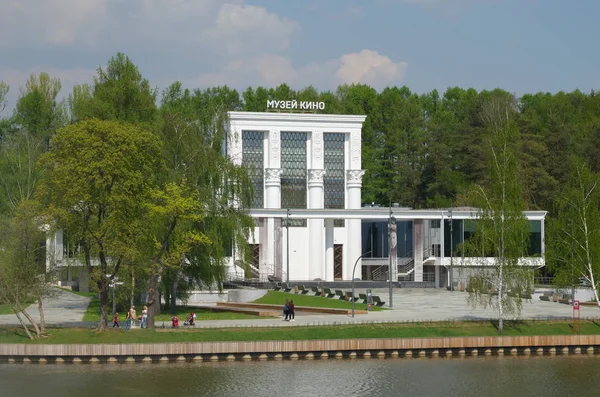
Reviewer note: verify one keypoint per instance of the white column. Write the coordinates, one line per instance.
(273, 200)
(353, 226)
(315, 226)
(329, 242)
(418, 249)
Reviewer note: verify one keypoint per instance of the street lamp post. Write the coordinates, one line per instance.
(287, 253)
(353, 269)
(391, 225)
(451, 249)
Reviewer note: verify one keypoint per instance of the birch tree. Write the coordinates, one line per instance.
(574, 237)
(502, 231)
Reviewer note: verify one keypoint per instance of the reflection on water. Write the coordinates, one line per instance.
(483, 376)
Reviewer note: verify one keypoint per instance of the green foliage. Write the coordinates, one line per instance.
(99, 177)
(120, 92)
(574, 238)
(502, 230)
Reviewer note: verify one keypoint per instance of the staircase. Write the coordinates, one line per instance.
(405, 271)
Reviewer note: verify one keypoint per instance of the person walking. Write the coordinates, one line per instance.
(144, 317)
(116, 320)
(128, 321)
(292, 311)
(286, 309)
(132, 316)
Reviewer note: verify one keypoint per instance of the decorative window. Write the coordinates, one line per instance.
(293, 165)
(333, 182)
(253, 161)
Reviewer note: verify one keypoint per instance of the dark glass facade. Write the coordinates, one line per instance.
(253, 161)
(375, 238)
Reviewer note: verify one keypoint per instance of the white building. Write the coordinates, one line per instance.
(307, 174)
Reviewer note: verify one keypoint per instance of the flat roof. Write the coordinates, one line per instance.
(377, 213)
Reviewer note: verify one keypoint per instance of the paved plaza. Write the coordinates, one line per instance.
(408, 305)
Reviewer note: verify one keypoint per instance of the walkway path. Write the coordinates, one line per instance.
(408, 305)
(65, 307)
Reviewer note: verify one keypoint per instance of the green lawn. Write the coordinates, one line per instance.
(6, 309)
(93, 314)
(278, 298)
(401, 330)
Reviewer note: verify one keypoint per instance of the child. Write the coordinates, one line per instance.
(116, 320)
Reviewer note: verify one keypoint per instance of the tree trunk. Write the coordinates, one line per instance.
(103, 309)
(42, 319)
(23, 324)
(132, 298)
(30, 319)
(153, 299)
(174, 296)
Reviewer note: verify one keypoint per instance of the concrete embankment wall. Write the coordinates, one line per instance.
(314, 349)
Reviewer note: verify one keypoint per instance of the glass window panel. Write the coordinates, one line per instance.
(333, 182)
(253, 160)
(293, 165)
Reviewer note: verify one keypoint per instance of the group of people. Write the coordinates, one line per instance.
(131, 318)
(289, 311)
(191, 320)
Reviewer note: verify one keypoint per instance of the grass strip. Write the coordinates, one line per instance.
(278, 298)
(399, 330)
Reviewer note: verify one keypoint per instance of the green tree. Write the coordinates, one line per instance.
(200, 210)
(37, 110)
(99, 175)
(502, 231)
(120, 92)
(574, 234)
(23, 277)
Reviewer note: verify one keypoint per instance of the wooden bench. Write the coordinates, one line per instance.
(362, 298)
(565, 298)
(350, 298)
(547, 296)
(303, 290)
(287, 288)
(328, 293)
(339, 294)
(377, 300)
(316, 290)
(277, 287)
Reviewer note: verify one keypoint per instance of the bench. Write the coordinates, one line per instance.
(377, 300)
(316, 290)
(565, 298)
(287, 288)
(547, 296)
(350, 298)
(339, 294)
(362, 298)
(327, 293)
(303, 290)
(277, 287)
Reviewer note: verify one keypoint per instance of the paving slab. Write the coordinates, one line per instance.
(64, 307)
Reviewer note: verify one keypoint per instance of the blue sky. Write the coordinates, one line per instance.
(522, 46)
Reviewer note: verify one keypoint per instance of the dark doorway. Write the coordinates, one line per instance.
(338, 261)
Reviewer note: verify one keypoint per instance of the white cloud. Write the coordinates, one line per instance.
(56, 22)
(241, 29)
(370, 67)
(367, 66)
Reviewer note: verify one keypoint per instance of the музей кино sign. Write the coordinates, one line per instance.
(296, 105)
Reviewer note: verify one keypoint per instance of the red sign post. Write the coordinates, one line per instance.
(575, 304)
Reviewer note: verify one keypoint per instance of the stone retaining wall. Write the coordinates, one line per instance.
(323, 349)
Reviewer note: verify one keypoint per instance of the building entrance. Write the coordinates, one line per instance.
(338, 260)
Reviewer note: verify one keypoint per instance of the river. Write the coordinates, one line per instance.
(481, 376)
